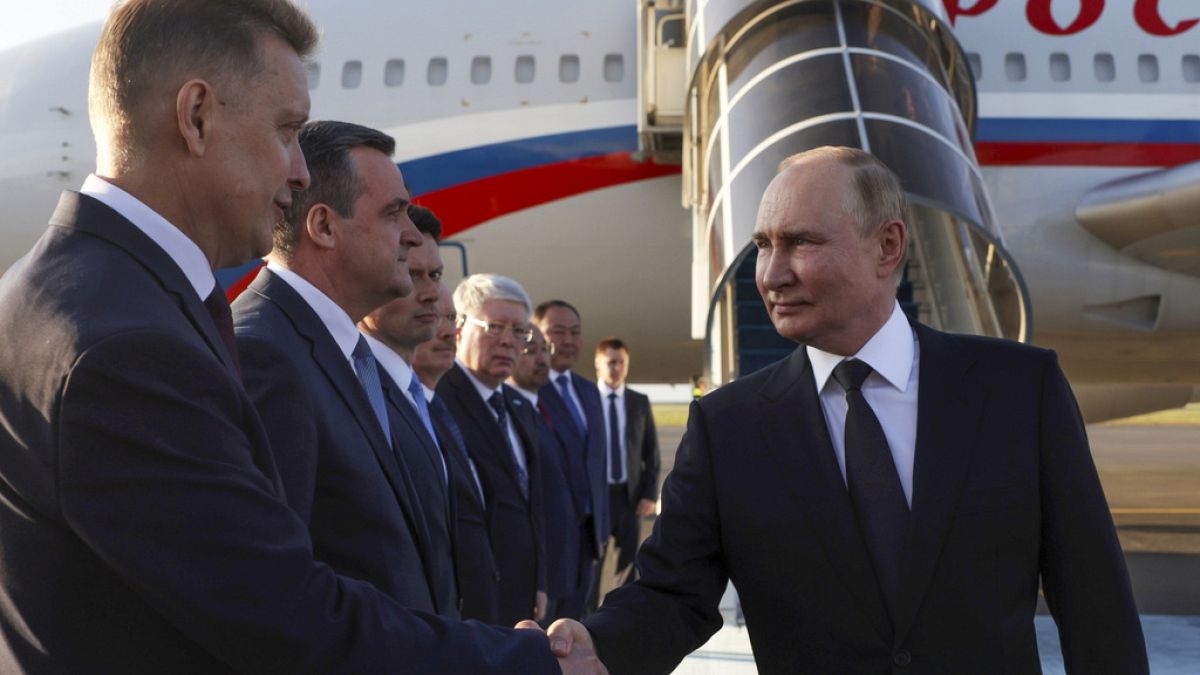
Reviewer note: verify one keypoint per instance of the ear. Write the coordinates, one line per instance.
(893, 237)
(195, 107)
(321, 226)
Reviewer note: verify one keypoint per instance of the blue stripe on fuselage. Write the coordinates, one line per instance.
(1061, 130)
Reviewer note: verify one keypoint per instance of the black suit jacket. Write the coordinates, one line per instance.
(515, 524)
(641, 448)
(587, 454)
(474, 563)
(364, 513)
(142, 519)
(1005, 493)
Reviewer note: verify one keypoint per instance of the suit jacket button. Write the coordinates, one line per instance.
(496, 575)
(902, 658)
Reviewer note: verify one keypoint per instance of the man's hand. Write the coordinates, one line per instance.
(572, 644)
(646, 507)
(539, 607)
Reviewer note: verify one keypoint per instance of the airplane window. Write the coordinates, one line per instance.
(568, 68)
(1191, 68)
(351, 74)
(1148, 68)
(1014, 67)
(481, 70)
(526, 69)
(1105, 67)
(1060, 67)
(614, 68)
(439, 71)
(313, 71)
(393, 73)
(976, 65)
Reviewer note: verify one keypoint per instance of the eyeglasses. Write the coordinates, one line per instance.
(498, 330)
(533, 348)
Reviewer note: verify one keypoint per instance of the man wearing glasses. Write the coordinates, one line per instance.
(498, 427)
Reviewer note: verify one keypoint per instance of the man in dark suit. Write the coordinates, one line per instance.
(394, 330)
(568, 569)
(574, 408)
(142, 519)
(632, 453)
(886, 499)
(497, 425)
(343, 454)
(474, 563)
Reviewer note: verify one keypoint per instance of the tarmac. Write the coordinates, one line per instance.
(1151, 477)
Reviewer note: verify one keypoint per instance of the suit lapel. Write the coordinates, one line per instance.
(86, 214)
(483, 418)
(409, 417)
(949, 410)
(792, 410)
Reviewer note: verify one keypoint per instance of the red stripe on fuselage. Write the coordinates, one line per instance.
(1086, 154)
(466, 205)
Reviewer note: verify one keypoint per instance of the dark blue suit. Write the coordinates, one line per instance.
(514, 522)
(586, 464)
(362, 507)
(142, 519)
(568, 571)
(1004, 495)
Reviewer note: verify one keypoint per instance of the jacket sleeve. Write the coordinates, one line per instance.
(1084, 578)
(651, 462)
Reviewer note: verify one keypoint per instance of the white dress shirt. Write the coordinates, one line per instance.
(179, 248)
(514, 439)
(623, 470)
(402, 374)
(891, 391)
(554, 374)
(335, 319)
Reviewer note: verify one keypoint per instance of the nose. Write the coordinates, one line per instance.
(772, 271)
(410, 236)
(298, 178)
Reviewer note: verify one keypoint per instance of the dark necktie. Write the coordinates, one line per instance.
(218, 309)
(439, 410)
(614, 442)
(564, 388)
(368, 376)
(497, 403)
(873, 482)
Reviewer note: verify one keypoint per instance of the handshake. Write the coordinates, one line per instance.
(572, 644)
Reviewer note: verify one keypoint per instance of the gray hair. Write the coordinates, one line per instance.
(477, 289)
(877, 196)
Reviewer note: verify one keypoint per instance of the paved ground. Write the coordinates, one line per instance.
(1151, 475)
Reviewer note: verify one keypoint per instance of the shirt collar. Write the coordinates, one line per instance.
(605, 390)
(889, 352)
(339, 324)
(178, 247)
(429, 393)
(484, 390)
(400, 372)
(555, 373)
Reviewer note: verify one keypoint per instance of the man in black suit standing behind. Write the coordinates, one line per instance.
(498, 427)
(887, 498)
(632, 453)
(142, 519)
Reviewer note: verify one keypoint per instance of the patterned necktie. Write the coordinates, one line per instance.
(615, 475)
(564, 388)
(497, 403)
(218, 309)
(873, 481)
(368, 377)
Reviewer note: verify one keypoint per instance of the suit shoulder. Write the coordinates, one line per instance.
(997, 351)
(744, 391)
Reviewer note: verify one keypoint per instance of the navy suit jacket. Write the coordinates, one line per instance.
(515, 523)
(338, 471)
(587, 455)
(474, 563)
(562, 517)
(1005, 494)
(142, 518)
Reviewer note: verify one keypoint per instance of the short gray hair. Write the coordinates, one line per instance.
(477, 289)
(877, 196)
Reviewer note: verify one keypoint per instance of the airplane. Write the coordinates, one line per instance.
(612, 154)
